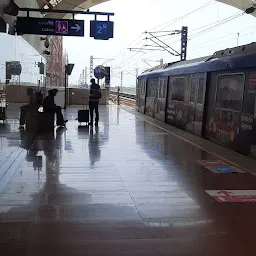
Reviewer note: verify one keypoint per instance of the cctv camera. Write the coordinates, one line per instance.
(46, 52)
(47, 43)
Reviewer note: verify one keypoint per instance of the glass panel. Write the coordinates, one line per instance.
(178, 89)
(162, 88)
(200, 91)
(193, 90)
(152, 87)
(142, 87)
(230, 92)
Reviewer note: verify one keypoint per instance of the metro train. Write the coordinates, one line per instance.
(212, 97)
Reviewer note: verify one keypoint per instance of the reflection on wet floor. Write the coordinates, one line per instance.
(126, 188)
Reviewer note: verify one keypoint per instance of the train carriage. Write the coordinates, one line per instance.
(212, 97)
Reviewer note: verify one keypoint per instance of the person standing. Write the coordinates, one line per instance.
(94, 99)
(49, 106)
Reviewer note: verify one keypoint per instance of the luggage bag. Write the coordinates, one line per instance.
(83, 114)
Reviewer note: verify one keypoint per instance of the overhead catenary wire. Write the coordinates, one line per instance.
(196, 33)
(226, 36)
(169, 23)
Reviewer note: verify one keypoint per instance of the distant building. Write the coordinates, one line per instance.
(55, 65)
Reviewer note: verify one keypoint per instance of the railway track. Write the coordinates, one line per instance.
(124, 99)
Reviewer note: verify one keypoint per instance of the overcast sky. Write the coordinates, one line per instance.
(133, 17)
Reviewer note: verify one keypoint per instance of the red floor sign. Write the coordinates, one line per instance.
(233, 196)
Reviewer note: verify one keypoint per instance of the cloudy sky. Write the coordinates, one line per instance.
(209, 30)
(212, 26)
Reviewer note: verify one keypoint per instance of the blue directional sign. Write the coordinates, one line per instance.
(101, 30)
(56, 27)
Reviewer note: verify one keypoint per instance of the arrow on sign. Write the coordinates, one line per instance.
(76, 28)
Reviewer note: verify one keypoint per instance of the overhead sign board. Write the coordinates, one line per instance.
(101, 30)
(56, 27)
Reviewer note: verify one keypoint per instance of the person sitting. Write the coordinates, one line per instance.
(94, 99)
(49, 106)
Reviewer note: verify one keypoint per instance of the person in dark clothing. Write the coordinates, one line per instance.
(49, 106)
(94, 99)
(94, 147)
(32, 106)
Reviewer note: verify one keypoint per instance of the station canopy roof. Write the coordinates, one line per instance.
(84, 5)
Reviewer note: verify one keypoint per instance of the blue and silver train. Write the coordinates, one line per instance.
(212, 97)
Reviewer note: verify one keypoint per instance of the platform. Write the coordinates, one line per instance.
(134, 186)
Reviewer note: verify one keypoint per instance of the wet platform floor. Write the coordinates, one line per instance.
(126, 188)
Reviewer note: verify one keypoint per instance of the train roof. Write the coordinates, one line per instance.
(234, 58)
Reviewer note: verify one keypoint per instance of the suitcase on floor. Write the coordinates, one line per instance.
(83, 115)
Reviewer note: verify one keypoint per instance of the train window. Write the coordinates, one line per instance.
(152, 87)
(200, 91)
(178, 92)
(230, 90)
(142, 87)
(193, 90)
(160, 88)
(165, 80)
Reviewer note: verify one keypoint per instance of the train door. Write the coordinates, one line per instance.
(225, 109)
(138, 93)
(253, 139)
(196, 103)
(246, 137)
(192, 104)
(176, 111)
(151, 96)
(200, 99)
(161, 99)
(141, 95)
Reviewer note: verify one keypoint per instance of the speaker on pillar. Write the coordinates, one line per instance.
(69, 68)
(41, 67)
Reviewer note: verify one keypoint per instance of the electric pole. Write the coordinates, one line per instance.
(91, 67)
(122, 73)
(184, 43)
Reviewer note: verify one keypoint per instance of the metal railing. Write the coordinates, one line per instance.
(123, 98)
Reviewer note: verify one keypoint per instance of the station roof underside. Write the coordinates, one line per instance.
(84, 5)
